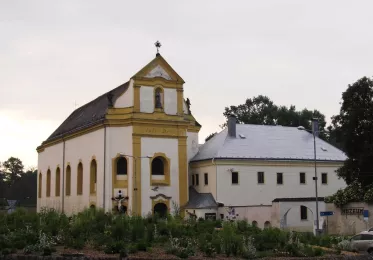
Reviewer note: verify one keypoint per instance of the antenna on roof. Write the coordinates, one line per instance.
(75, 105)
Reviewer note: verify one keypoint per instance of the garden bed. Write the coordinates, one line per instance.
(99, 235)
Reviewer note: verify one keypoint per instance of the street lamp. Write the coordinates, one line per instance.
(314, 131)
(134, 174)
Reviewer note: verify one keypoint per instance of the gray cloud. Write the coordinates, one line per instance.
(55, 53)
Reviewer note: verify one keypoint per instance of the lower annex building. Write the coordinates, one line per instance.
(140, 140)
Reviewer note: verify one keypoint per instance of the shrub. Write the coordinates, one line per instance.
(182, 248)
(114, 247)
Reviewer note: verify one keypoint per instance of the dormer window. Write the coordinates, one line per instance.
(158, 98)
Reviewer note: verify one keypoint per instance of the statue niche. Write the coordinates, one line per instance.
(158, 98)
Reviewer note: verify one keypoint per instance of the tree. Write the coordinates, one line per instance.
(12, 169)
(261, 110)
(352, 129)
(210, 136)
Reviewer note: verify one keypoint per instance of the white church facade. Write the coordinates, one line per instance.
(140, 141)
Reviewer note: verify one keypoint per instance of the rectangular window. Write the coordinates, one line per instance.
(324, 178)
(197, 179)
(280, 178)
(234, 177)
(260, 177)
(303, 213)
(206, 179)
(302, 178)
(193, 182)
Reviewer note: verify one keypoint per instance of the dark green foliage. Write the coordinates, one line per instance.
(115, 247)
(352, 129)
(41, 233)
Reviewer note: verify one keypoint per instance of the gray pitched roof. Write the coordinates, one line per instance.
(200, 200)
(267, 143)
(88, 115)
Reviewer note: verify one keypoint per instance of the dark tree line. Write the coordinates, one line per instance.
(16, 183)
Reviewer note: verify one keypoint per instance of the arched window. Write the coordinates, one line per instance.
(254, 223)
(267, 224)
(58, 182)
(158, 166)
(48, 183)
(68, 180)
(79, 182)
(122, 166)
(93, 177)
(158, 98)
(40, 184)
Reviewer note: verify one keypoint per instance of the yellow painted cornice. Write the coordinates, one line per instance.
(288, 163)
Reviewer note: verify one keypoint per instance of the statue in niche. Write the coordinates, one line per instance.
(188, 105)
(158, 102)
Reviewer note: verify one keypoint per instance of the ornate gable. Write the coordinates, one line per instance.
(159, 68)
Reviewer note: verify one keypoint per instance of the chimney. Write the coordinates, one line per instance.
(232, 121)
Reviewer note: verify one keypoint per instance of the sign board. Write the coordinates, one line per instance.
(326, 213)
(352, 211)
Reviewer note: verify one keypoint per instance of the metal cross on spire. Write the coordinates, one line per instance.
(158, 45)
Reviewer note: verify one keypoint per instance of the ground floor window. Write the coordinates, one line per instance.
(303, 213)
(211, 216)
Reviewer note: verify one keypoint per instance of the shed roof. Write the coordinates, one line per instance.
(200, 200)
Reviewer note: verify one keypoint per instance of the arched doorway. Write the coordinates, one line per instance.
(298, 218)
(160, 209)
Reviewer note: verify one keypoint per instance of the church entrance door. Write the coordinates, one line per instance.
(160, 209)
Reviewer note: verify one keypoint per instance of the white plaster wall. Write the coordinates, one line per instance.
(170, 101)
(202, 188)
(49, 159)
(293, 220)
(119, 140)
(249, 193)
(149, 146)
(126, 99)
(146, 99)
(192, 144)
(83, 148)
(260, 214)
(200, 213)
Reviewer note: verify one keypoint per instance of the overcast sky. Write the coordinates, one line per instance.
(56, 53)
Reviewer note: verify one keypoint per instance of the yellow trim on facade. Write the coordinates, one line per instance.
(57, 190)
(79, 179)
(159, 60)
(180, 101)
(151, 82)
(68, 180)
(93, 177)
(136, 191)
(183, 171)
(117, 184)
(161, 200)
(48, 183)
(166, 165)
(136, 98)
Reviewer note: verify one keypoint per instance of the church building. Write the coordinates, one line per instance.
(134, 142)
(135, 149)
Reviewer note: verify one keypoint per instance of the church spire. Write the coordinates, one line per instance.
(158, 45)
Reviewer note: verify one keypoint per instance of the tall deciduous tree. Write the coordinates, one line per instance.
(12, 169)
(262, 111)
(353, 130)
